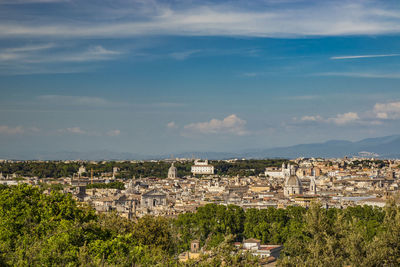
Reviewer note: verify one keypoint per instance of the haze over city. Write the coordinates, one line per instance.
(164, 77)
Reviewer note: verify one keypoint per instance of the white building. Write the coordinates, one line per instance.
(313, 186)
(276, 173)
(81, 170)
(263, 251)
(273, 173)
(293, 184)
(202, 167)
(172, 172)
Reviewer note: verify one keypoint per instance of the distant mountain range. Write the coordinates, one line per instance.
(380, 147)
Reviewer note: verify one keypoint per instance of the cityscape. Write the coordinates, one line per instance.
(108, 188)
(199, 133)
(335, 183)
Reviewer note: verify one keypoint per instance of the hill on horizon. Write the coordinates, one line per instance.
(379, 147)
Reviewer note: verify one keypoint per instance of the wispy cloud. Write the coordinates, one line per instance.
(339, 119)
(95, 53)
(28, 48)
(20, 2)
(345, 118)
(79, 131)
(113, 132)
(171, 125)
(232, 124)
(9, 130)
(21, 69)
(389, 110)
(184, 54)
(40, 53)
(364, 56)
(52, 58)
(74, 130)
(74, 100)
(228, 19)
(377, 115)
(22, 52)
(361, 75)
(17, 130)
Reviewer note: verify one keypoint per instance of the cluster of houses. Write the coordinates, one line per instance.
(333, 182)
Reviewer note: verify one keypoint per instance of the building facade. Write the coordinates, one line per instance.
(202, 167)
(293, 184)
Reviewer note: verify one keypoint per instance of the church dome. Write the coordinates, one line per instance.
(172, 169)
(293, 181)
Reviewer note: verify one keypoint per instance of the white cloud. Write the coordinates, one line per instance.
(364, 56)
(22, 52)
(95, 53)
(114, 133)
(171, 125)
(345, 118)
(35, 54)
(390, 110)
(28, 48)
(4, 129)
(339, 119)
(74, 130)
(232, 124)
(79, 131)
(321, 18)
(312, 118)
(380, 113)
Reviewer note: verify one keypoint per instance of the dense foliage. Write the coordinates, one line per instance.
(47, 230)
(36, 229)
(57, 169)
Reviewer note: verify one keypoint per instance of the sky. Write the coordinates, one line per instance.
(163, 77)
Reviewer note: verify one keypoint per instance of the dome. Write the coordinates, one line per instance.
(293, 180)
(172, 169)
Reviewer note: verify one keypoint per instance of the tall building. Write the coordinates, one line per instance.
(172, 172)
(293, 184)
(286, 169)
(313, 186)
(202, 167)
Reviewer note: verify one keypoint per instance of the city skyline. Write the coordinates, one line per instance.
(155, 77)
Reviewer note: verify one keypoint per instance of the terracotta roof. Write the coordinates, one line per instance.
(251, 240)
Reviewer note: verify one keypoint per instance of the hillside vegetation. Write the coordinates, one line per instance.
(54, 230)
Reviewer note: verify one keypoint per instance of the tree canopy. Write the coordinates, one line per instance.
(54, 229)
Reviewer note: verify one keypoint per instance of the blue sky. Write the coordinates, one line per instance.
(162, 77)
